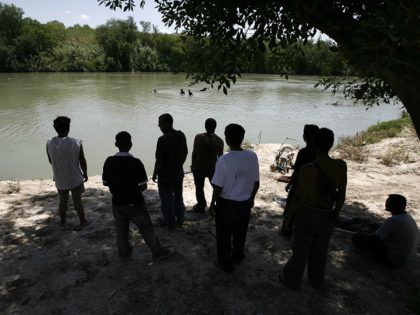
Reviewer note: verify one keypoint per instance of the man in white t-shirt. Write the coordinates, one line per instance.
(396, 240)
(235, 184)
(69, 167)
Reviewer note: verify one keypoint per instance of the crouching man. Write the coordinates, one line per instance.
(235, 184)
(397, 238)
(126, 178)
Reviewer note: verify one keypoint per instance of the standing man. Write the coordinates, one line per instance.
(305, 155)
(207, 149)
(66, 156)
(171, 152)
(126, 178)
(395, 242)
(235, 184)
(318, 200)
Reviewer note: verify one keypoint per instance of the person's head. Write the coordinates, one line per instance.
(123, 141)
(165, 122)
(309, 132)
(324, 139)
(210, 125)
(62, 125)
(395, 203)
(234, 135)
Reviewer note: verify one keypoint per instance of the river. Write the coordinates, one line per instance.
(101, 104)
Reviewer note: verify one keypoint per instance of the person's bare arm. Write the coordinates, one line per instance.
(156, 169)
(49, 158)
(216, 193)
(83, 164)
(341, 189)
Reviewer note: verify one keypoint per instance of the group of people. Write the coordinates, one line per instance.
(317, 192)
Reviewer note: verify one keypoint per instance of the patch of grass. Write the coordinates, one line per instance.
(395, 156)
(12, 187)
(353, 148)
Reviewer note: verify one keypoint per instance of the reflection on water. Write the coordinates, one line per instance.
(100, 105)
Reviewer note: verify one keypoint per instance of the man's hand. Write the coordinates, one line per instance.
(212, 211)
(85, 178)
(154, 178)
(287, 188)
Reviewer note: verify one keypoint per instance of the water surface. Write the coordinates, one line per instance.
(101, 104)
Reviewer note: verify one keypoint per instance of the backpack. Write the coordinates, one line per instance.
(326, 189)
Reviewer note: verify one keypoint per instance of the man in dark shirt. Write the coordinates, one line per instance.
(305, 155)
(126, 178)
(171, 152)
(207, 148)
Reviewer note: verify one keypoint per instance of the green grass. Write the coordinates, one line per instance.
(352, 147)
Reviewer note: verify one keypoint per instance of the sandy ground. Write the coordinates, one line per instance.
(45, 269)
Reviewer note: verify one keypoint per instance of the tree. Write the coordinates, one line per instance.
(380, 39)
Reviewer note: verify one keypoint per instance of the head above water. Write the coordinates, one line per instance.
(62, 125)
(234, 135)
(309, 132)
(324, 139)
(165, 122)
(395, 203)
(123, 141)
(210, 125)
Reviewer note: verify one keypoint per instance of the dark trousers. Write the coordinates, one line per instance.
(288, 215)
(232, 219)
(172, 202)
(310, 246)
(199, 179)
(371, 243)
(140, 217)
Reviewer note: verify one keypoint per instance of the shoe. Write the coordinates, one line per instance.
(293, 288)
(165, 253)
(238, 260)
(198, 209)
(162, 223)
(180, 221)
(227, 269)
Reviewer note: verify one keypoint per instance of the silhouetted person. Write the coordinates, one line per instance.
(171, 152)
(235, 184)
(190, 93)
(182, 92)
(207, 148)
(318, 200)
(396, 240)
(69, 167)
(304, 156)
(155, 91)
(126, 178)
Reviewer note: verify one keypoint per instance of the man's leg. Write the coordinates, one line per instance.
(295, 266)
(199, 192)
(240, 229)
(167, 203)
(145, 227)
(317, 259)
(178, 199)
(224, 235)
(63, 199)
(122, 229)
(76, 194)
(371, 243)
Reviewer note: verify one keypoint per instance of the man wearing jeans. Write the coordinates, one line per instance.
(171, 152)
(126, 178)
(235, 184)
(69, 167)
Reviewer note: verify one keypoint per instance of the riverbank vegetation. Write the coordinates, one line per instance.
(119, 45)
(354, 147)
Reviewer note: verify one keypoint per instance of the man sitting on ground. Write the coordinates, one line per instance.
(397, 238)
(126, 178)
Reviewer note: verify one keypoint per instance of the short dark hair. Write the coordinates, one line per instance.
(309, 131)
(62, 124)
(324, 139)
(210, 125)
(123, 139)
(166, 118)
(234, 134)
(397, 202)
